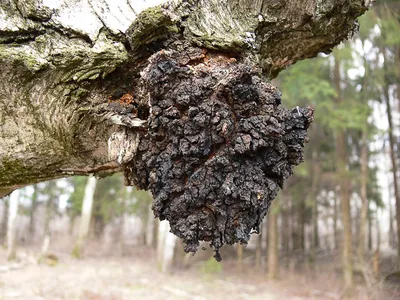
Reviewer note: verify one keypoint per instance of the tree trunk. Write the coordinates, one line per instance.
(165, 247)
(50, 191)
(376, 261)
(301, 224)
(313, 194)
(85, 216)
(363, 195)
(150, 224)
(152, 93)
(32, 214)
(344, 183)
(12, 225)
(392, 234)
(4, 220)
(239, 254)
(378, 232)
(346, 220)
(364, 169)
(121, 240)
(370, 220)
(259, 251)
(285, 217)
(294, 216)
(393, 159)
(335, 221)
(272, 255)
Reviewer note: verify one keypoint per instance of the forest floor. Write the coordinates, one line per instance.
(136, 276)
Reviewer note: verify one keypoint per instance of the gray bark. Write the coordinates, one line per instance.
(62, 61)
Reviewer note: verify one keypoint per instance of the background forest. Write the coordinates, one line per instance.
(332, 232)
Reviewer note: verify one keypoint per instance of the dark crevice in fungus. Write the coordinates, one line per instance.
(217, 148)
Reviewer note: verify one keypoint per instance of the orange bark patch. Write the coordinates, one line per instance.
(125, 99)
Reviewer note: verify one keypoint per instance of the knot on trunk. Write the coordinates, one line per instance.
(219, 144)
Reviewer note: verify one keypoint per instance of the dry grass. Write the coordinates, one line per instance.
(136, 277)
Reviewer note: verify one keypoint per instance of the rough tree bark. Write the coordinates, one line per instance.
(98, 86)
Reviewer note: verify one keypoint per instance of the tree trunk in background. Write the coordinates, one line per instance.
(344, 183)
(121, 240)
(150, 224)
(315, 232)
(85, 216)
(165, 247)
(335, 221)
(363, 195)
(272, 255)
(378, 232)
(370, 220)
(346, 221)
(12, 225)
(239, 255)
(376, 260)
(293, 221)
(32, 214)
(259, 251)
(392, 144)
(98, 223)
(4, 220)
(301, 224)
(50, 191)
(285, 215)
(392, 234)
(313, 194)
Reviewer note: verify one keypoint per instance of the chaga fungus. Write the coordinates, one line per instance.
(218, 146)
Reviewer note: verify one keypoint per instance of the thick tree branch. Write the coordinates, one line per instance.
(66, 63)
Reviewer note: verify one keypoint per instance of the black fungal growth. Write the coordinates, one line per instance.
(218, 147)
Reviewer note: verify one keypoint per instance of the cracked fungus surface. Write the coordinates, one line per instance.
(218, 147)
